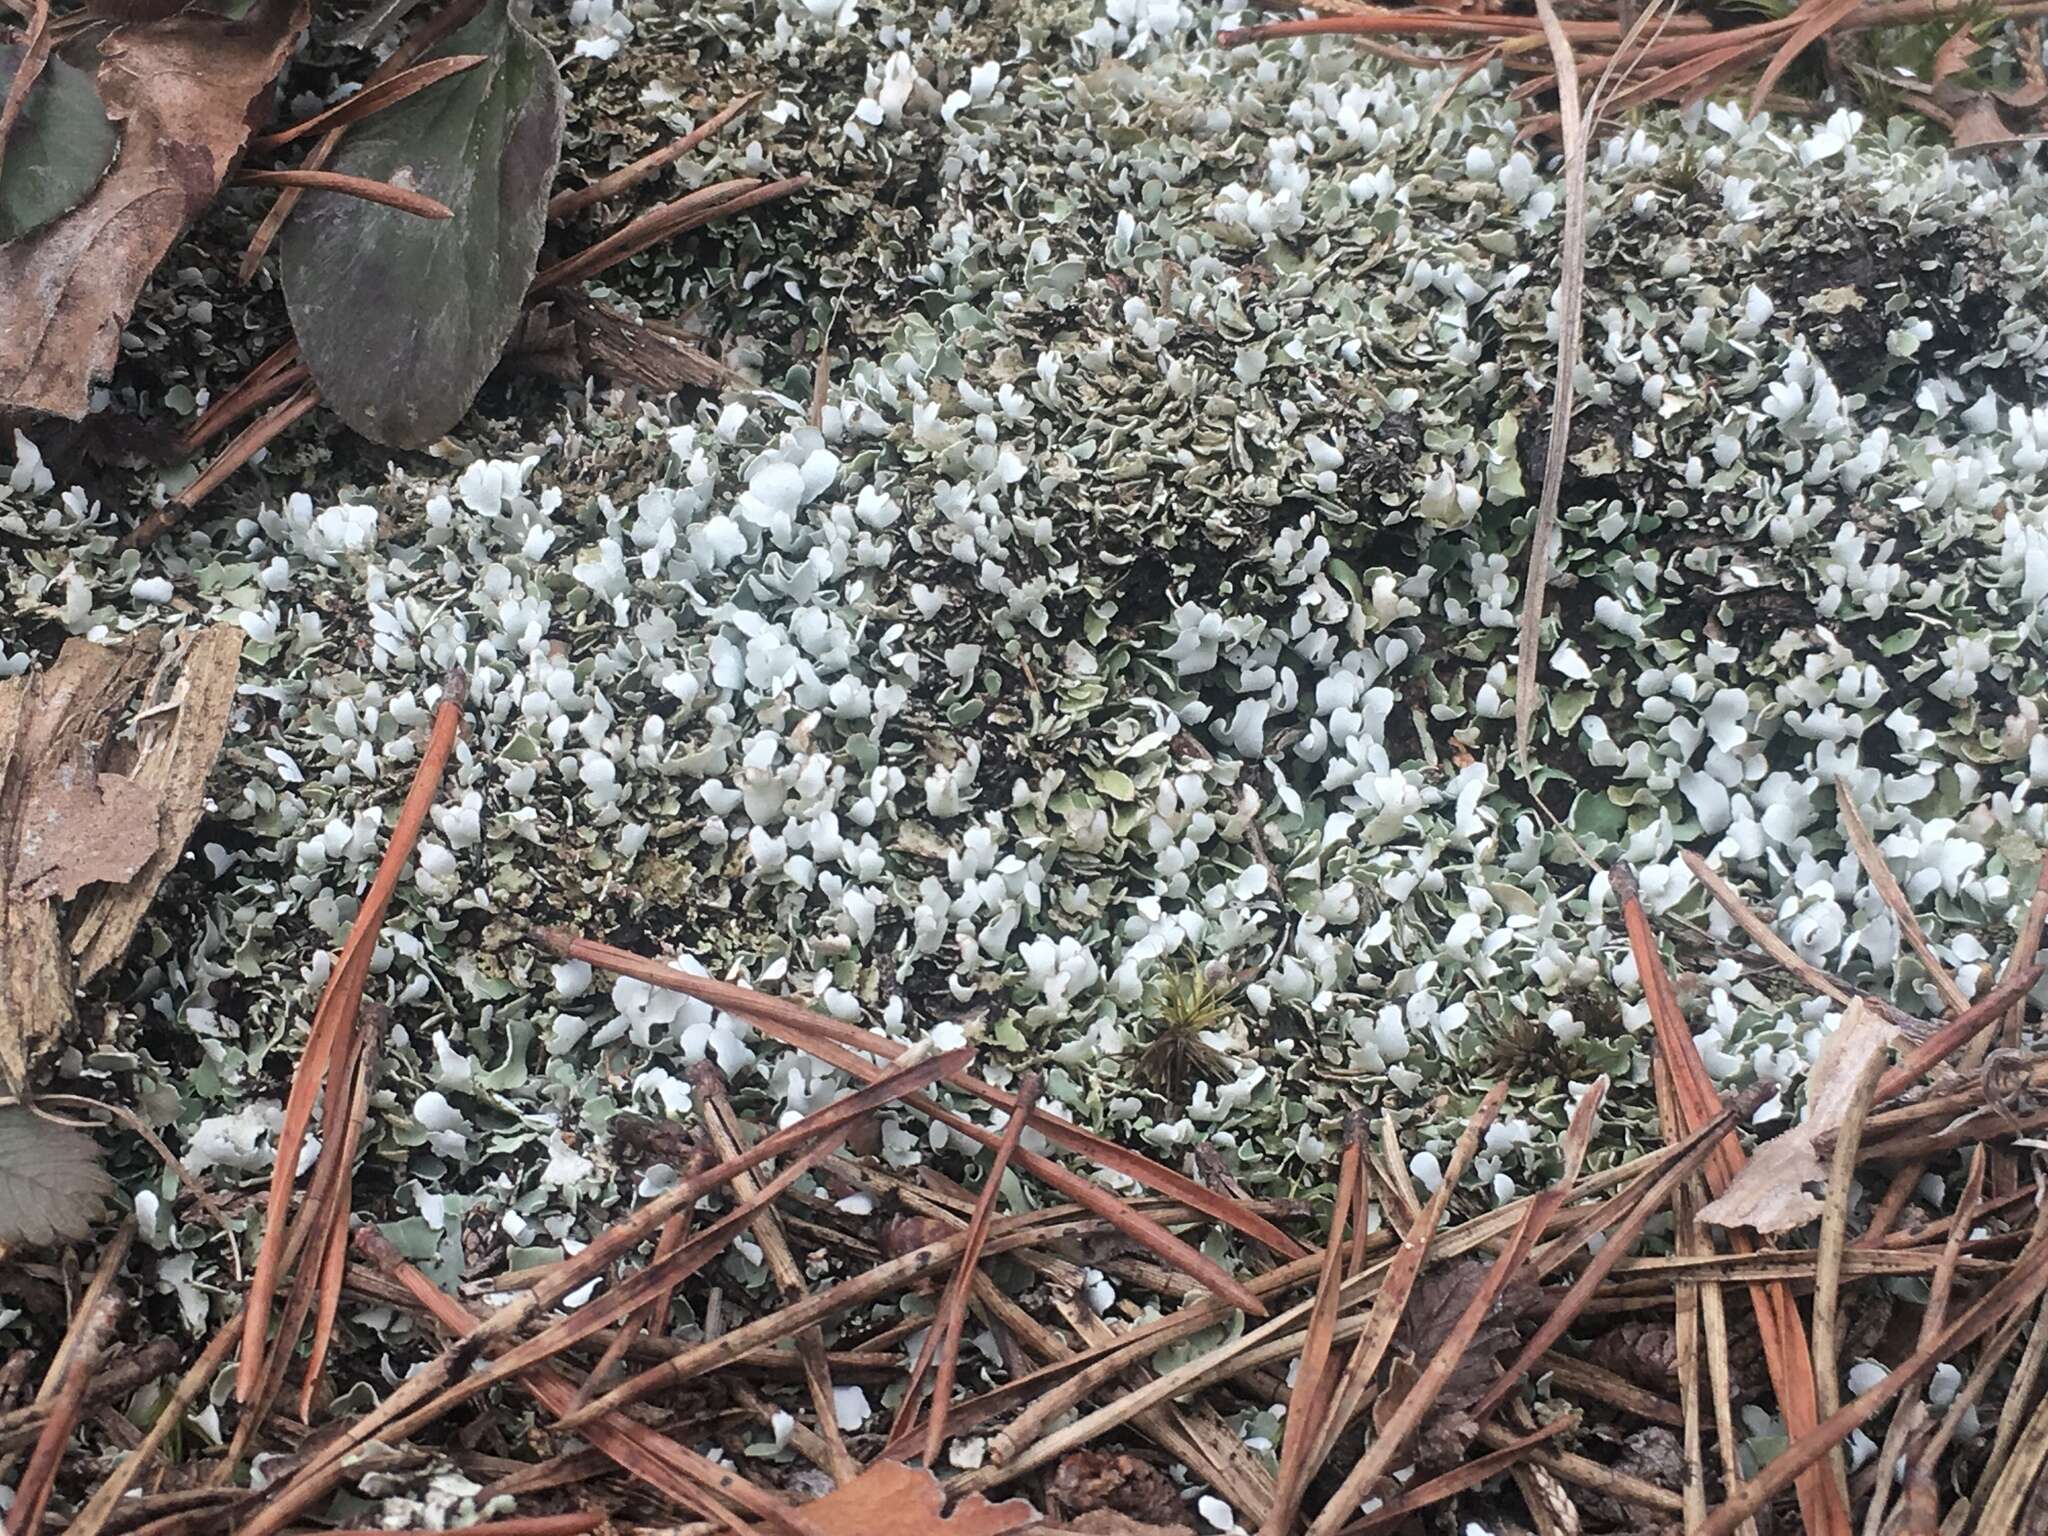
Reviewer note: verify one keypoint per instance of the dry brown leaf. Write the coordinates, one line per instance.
(1774, 1193)
(80, 827)
(907, 1501)
(1096, 1481)
(51, 1184)
(183, 90)
(1440, 1298)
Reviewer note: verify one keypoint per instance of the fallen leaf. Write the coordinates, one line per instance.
(82, 826)
(52, 1186)
(401, 319)
(907, 1501)
(183, 91)
(58, 149)
(1097, 1481)
(1775, 1192)
(177, 740)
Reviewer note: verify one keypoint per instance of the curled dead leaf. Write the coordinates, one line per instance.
(908, 1501)
(1775, 1192)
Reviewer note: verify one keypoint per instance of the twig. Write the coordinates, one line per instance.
(92, 1520)
(563, 204)
(32, 1493)
(140, 1127)
(1958, 1032)
(1834, 1237)
(371, 99)
(21, 1426)
(1571, 292)
(364, 187)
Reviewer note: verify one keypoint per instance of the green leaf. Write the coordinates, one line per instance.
(51, 1182)
(400, 318)
(59, 148)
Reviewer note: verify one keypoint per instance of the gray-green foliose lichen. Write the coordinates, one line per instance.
(1142, 609)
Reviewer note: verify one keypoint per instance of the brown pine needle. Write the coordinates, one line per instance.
(1398, 1284)
(1380, 1455)
(665, 1465)
(371, 99)
(1766, 939)
(846, 1045)
(364, 187)
(2021, 1288)
(455, 14)
(334, 1017)
(1643, 1204)
(1958, 1032)
(252, 440)
(1931, 1318)
(1470, 1475)
(1787, 1355)
(1872, 858)
(563, 204)
(93, 1519)
(446, 1381)
(1312, 1393)
(722, 1127)
(1834, 1238)
(271, 380)
(343, 1143)
(942, 1340)
(665, 223)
